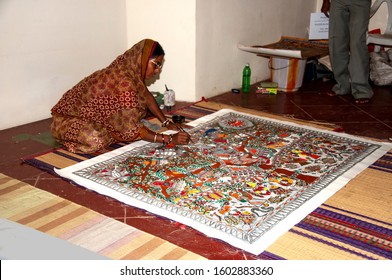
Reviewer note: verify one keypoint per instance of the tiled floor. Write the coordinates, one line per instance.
(311, 102)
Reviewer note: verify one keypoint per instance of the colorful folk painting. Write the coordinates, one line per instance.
(240, 175)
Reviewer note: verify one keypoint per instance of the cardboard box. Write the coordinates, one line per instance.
(267, 88)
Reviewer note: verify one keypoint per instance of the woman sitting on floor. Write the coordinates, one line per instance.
(108, 106)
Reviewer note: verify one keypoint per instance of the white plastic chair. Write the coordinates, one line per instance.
(384, 39)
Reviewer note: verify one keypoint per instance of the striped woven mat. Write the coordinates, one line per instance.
(81, 226)
(355, 223)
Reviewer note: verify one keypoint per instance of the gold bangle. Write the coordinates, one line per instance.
(155, 137)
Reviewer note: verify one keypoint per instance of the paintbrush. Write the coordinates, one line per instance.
(183, 130)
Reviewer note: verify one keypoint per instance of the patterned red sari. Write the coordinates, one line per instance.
(107, 106)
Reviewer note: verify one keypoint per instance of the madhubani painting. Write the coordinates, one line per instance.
(240, 175)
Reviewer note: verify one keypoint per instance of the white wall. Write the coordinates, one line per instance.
(47, 46)
(222, 24)
(379, 20)
(200, 38)
(52, 44)
(171, 23)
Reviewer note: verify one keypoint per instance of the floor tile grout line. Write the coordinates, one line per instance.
(363, 111)
(378, 120)
(299, 107)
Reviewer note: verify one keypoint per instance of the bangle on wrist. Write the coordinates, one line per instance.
(155, 137)
(170, 139)
(165, 122)
(163, 139)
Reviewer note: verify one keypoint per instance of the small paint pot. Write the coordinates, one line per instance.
(178, 119)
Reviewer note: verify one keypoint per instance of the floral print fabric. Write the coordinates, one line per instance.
(106, 106)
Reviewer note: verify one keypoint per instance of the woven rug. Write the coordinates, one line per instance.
(335, 235)
(78, 225)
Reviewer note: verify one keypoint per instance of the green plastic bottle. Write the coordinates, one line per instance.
(246, 78)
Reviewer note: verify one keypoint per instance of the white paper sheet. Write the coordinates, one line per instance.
(271, 52)
(318, 27)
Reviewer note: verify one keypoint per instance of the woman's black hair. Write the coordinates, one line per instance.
(158, 50)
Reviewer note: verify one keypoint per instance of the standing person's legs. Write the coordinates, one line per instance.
(359, 58)
(339, 43)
